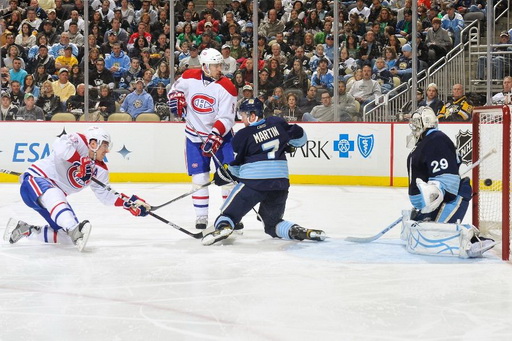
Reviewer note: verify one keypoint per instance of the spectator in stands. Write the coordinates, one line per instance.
(12, 54)
(7, 109)
(127, 12)
(138, 101)
(312, 22)
(237, 50)
(25, 38)
(381, 74)
(48, 32)
(76, 75)
(432, 100)
(272, 26)
(130, 75)
(322, 113)
(117, 62)
(365, 90)
(369, 49)
(229, 64)
(107, 13)
(208, 24)
(94, 55)
(504, 97)
(191, 62)
(75, 17)
(329, 49)
(276, 103)
(30, 111)
(161, 75)
(438, 41)
(48, 101)
(16, 93)
(453, 23)
(323, 78)
(17, 73)
(187, 35)
(318, 56)
(120, 33)
(239, 13)
(146, 4)
(499, 62)
(211, 10)
(41, 76)
(264, 85)
(229, 22)
(66, 60)
(106, 102)
(147, 77)
(458, 109)
(187, 20)
(75, 37)
(63, 87)
(76, 103)
(32, 19)
(347, 104)
(296, 36)
(57, 49)
(403, 68)
(275, 73)
(100, 75)
(291, 112)
(30, 86)
(296, 78)
(55, 21)
(136, 50)
(160, 100)
(309, 101)
(141, 32)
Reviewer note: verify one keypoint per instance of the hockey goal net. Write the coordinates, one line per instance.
(491, 179)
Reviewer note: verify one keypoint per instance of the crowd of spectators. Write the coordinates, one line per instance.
(42, 49)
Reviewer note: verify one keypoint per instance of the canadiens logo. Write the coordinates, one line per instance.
(203, 104)
(74, 180)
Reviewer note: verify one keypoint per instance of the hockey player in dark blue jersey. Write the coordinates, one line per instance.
(439, 196)
(261, 170)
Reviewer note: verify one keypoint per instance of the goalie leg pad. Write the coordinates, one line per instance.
(429, 238)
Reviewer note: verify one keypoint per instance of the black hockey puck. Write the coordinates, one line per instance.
(487, 182)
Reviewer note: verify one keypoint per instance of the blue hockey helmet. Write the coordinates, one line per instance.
(251, 105)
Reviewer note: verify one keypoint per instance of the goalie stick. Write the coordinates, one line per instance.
(198, 235)
(393, 224)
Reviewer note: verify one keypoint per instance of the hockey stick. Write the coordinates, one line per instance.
(154, 208)
(393, 224)
(127, 200)
(198, 235)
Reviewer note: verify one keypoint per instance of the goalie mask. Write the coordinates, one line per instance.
(422, 119)
(210, 57)
(100, 135)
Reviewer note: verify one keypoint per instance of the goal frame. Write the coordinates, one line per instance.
(505, 157)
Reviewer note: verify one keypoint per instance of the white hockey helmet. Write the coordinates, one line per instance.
(98, 134)
(209, 57)
(422, 119)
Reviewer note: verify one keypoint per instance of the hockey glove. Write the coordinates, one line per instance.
(432, 194)
(137, 206)
(177, 103)
(212, 144)
(85, 169)
(222, 176)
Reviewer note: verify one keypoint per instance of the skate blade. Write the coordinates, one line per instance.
(11, 225)
(210, 238)
(318, 236)
(82, 242)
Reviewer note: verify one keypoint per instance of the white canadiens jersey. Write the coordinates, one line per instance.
(209, 104)
(61, 166)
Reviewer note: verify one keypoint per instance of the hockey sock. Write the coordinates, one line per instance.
(54, 201)
(201, 198)
(51, 236)
(283, 229)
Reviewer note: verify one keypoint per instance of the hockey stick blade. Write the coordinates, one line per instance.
(6, 171)
(154, 208)
(375, 237)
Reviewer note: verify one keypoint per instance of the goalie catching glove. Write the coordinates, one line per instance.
(85, 169)
(432, 194)
(136, 206)
(212, 143)
(177, 103)
(222, 176)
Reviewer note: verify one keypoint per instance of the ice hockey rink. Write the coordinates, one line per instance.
(140, 279)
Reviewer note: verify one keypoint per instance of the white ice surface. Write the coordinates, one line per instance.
(143, 280)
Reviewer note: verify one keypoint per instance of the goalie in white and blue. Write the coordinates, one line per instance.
(438, 194)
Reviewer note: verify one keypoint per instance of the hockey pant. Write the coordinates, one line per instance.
(450, 211)
(271, 210)
(198, 167)
(50, 202)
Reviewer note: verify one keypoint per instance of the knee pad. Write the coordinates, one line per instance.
(54, 201)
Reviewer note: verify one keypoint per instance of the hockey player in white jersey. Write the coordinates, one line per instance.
(207, 101)
(69, 168)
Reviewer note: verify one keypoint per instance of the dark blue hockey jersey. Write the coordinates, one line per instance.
(260, 160)
(434, 158)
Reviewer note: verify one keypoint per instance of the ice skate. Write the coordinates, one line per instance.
(239, 226)
(479, 245)
(221, 233)
(17, 229)
(201, 222)
(80, 234)
(300, 233)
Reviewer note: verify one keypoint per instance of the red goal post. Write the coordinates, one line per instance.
(491, 179)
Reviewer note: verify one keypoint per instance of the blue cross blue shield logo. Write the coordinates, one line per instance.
(365, 144)
(343, 146)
